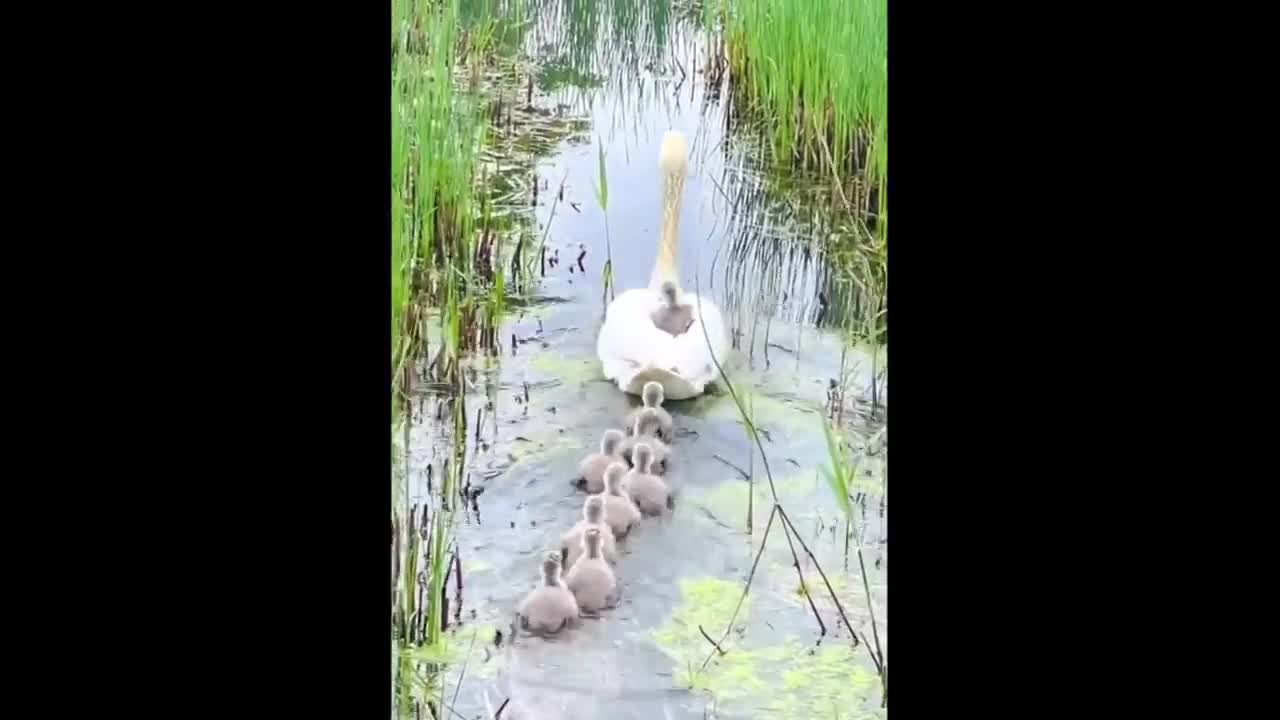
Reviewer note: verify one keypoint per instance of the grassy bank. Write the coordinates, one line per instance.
(440, 277)
(817, 72)
(432, 230)
(453, 235)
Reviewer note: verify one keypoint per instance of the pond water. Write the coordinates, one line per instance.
(749, 242)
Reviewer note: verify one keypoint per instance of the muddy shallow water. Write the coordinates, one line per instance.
(685, 571)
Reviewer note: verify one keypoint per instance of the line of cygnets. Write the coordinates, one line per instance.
(624, 482)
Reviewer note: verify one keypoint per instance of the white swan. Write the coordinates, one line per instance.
(633, 350)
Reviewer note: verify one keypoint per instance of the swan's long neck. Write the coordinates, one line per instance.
(674, 161)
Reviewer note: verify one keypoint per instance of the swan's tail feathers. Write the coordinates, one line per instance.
(674, 156)
(674, 386)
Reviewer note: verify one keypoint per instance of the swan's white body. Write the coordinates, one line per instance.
(634, 351)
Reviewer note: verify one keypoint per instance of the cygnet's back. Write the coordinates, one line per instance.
(591, 469)
(647, 490)
(646, 429)
(571, 547)
(551, 606)
(672, 317)
(652, 397)
(591, 580)
(620, 513)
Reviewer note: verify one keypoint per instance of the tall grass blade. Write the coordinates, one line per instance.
(602, 182)
(837, 475)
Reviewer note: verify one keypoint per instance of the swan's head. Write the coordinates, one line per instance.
(669, 293)
(551, 569)
(652, 394)
(647, 422)
(609, 443)
(613, 478)
(642, 454)
(673, 156)
(593, 509)
(591, 542)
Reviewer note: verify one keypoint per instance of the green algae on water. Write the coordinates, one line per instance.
(565, 369)
(727, 501)
(707, 603)
(791, 678)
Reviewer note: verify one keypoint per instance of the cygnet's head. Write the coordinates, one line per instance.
(551, 569)
(669, 293)
(613, 478)
(642, 454)
(609, 443)
(652, 394)
(591, 542)
(593, 509)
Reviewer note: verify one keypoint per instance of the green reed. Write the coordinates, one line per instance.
(818, 71)
(449, 233)
(436, 130)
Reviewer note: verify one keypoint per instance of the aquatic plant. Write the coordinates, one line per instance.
(814, 75)
(788, 679)
(602, 197)
(840, 477)
(438, 261)
(819, 71)
(792, 535)
(432, 182)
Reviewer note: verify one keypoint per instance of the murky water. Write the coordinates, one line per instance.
(753, 252)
